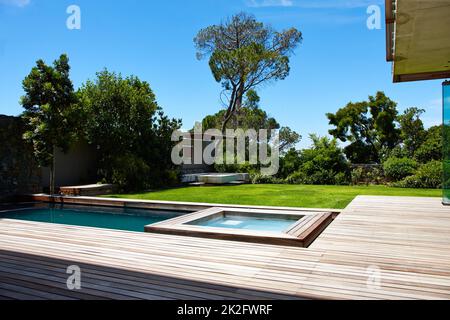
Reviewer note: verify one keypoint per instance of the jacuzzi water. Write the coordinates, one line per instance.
(90, 216)
(248, 223)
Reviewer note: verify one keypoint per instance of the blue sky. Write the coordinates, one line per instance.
(340, 59)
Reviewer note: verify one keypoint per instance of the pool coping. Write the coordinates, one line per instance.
(300, 233)
(157, 204)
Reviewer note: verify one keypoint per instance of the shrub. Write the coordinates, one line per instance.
(171, 177)
(226, 168)
(369, 174)
(431, 149)
(357, 175)
(341, 179)
(319, 177)
(129, 172)
(375, 176)
(397, 169)
(239, 168)
(289, 163)
(323, 163)
(427, 176)
(265, 179)
(298, 177)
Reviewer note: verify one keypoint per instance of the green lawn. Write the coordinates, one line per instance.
(278, 195)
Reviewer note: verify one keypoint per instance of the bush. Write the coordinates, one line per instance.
(321, 176)
(367, 174)
(427, 176)
(130, 173)
(357, 176)
(323, 163)
(341, 179)
(318, 177)
(226, 168)
(376, 176)
(298, 177)
(238, 168)
(431, 149)
(265, 179)
(289, 163)
(171, 177)
(397, 169)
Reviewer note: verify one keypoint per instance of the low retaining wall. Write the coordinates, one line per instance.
(88, 190)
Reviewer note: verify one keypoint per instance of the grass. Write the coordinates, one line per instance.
(337, 197)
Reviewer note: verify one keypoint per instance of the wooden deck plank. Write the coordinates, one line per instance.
(407, 239)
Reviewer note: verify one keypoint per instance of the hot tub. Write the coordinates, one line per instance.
(279, 227)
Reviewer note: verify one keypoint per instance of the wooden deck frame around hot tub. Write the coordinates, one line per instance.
(301, 234)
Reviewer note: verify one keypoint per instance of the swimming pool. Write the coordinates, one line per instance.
(91, 216)
(276, 226)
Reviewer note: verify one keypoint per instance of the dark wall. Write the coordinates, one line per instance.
(76, 167)
(19, 173)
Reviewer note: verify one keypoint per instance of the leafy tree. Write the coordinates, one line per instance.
(369, 126)
(289, 163)
(288, 139)
(128, 129)
(249, 116)
(243, 54)
(323, 163)
(118, 112)
(50, 112)
(431, 148)
(412, 131)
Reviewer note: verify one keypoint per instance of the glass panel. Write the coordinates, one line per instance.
(446, 141)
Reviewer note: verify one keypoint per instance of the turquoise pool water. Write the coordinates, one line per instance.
(109, 218)
(248, 223)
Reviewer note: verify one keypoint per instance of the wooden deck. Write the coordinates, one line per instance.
(406, 240)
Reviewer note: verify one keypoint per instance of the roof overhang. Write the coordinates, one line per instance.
(418, 39)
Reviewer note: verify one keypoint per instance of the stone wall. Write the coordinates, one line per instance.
(19, 172)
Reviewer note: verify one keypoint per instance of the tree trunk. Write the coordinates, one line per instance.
(229, 112)
(239, 96)
(52, 173)
(235, 104)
